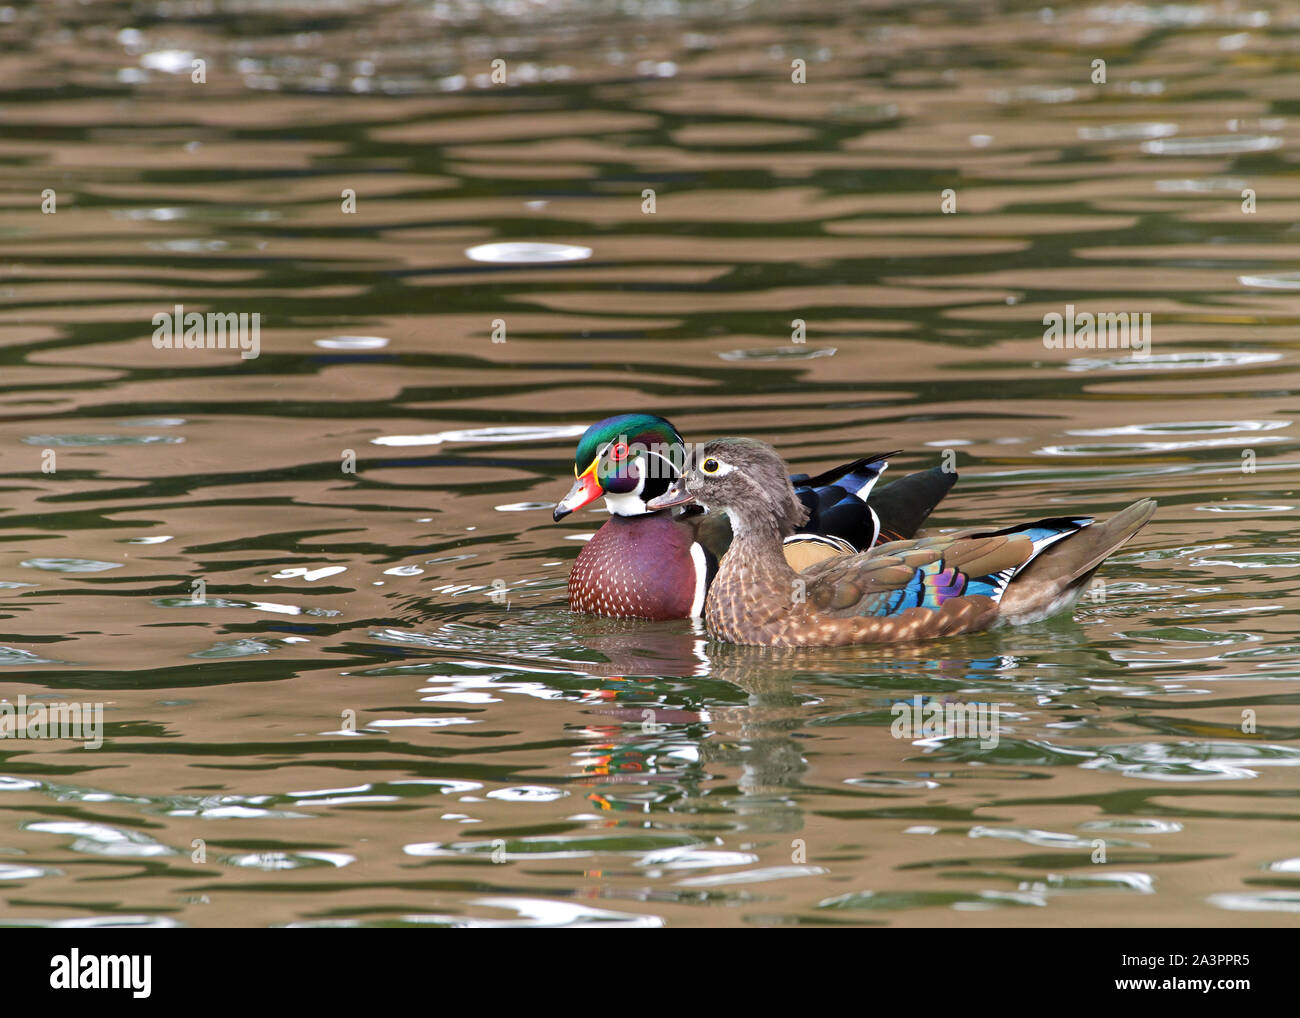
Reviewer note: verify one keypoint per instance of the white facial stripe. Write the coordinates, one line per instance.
(672, 470)
(625, 503)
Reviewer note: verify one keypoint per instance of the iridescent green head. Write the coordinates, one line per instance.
(629, 459)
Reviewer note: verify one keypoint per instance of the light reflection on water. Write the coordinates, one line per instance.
(376, 710)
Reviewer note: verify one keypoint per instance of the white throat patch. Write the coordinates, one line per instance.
(628, 503)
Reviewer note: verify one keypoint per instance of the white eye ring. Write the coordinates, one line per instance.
(720, 469)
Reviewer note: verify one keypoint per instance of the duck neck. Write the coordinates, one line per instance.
(757, 547)
(755, 586)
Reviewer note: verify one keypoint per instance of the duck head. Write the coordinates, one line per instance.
(629, 459)
(746, 479)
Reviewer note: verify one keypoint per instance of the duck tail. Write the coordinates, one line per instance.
(904, 505)
(1056, 577)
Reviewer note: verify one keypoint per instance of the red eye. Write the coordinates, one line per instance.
(619, 452)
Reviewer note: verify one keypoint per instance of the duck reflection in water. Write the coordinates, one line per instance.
(655, 742)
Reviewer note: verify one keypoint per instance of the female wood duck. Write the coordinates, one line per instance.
(653, 564)
(904, 590)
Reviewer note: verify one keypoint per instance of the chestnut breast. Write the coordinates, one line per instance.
(638, 567)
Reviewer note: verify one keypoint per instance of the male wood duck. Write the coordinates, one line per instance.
(904, 590)
(653, 564)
